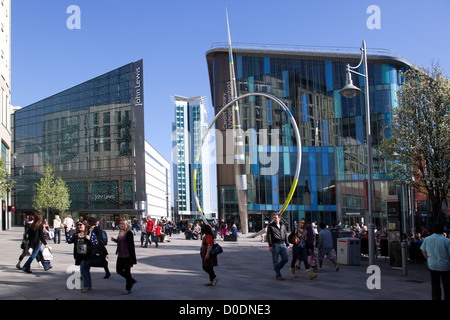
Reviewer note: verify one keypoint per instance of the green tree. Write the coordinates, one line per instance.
(418, 146)
(5, 185)
(51, 193)
(62, 201)
(45, 193)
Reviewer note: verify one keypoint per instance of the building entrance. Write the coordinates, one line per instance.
(349, 221)
(258, 221)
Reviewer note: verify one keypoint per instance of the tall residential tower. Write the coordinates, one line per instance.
(187, 132)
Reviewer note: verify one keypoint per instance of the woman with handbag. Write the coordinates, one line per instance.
(126, 254)
(303, 240)
(84, 241)
(208, 261)
(35, 239)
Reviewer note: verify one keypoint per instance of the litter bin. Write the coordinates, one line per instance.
(348, 251)
(339, 233)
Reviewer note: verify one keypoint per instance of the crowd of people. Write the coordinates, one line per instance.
(193, 229)
(305, 239)
(89, 244)
(311, 245)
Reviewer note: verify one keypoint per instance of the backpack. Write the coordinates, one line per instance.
(101, 234)
(104, 237)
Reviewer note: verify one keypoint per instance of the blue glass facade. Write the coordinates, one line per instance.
(332, 183)
(88, 133)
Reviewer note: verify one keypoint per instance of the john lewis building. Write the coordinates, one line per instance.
(93, 136)
(332, 183)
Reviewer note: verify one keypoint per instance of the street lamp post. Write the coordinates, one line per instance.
(349, 91)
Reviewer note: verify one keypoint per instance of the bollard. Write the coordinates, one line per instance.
(404, 258)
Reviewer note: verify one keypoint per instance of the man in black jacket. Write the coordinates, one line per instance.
(278, 243)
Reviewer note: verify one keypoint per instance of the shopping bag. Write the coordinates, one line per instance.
(312, 260)
(47, 254)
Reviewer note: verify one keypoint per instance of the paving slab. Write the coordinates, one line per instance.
(172, 272)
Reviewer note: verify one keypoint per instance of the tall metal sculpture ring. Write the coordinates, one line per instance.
(297, 136)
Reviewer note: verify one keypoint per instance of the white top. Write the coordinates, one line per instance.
(56, 223)
(68, 222)
(314, 228)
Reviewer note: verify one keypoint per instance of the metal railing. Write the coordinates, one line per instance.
(308, 49)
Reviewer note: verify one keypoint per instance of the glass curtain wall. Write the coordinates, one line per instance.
(332, 129)
(85, 133)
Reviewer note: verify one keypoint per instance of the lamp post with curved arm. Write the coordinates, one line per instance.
(349, 91)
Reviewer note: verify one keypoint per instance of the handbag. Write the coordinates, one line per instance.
(293, 238)
(216, 249)
(97, 260)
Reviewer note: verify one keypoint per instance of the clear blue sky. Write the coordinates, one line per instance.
(172, 36)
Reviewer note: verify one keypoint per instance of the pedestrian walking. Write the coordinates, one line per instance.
(36, 238)
(25, 241)
(135, 225)
(223, 228)
(83, 240)
(150, 232)
(315, 231)
(208, 261)
(143, 230)
(215, 228)
(304, 248)
(69, 227)
(325, 246)
(101, 249)
(126, 254)
(278, 244)
(436, 249)
(169, 228)
(57, 229)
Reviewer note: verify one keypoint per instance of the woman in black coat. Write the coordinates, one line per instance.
(84, 241)
(126, 254)
(35, 239)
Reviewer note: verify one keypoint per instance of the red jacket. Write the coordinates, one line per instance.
(150, 225)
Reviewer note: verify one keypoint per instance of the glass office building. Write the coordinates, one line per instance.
(93, 136)
(332, 182)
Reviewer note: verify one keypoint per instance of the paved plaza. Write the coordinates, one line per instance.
(173, 272)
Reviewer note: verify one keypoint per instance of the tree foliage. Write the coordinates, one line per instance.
(419, 138)
(51, 193)
(62, 197)
(5, 185)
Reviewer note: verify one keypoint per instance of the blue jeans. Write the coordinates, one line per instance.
(302, 253)
(37, 251)
(279, 249)
(142, 238)
(57, 235)
(85, 274)
(148, 238)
